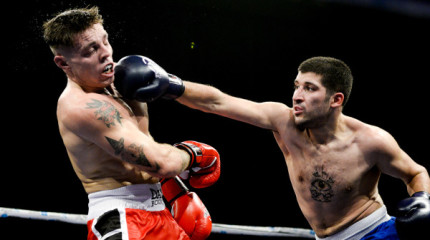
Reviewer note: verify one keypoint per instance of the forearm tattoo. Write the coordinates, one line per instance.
(321, 186)
(106, 112)
(132, 153)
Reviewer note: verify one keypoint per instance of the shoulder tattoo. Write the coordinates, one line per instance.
(321, 186)
(132, 153)
(105, 111)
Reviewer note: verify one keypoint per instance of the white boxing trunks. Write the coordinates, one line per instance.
(130, 213)
(362, 227)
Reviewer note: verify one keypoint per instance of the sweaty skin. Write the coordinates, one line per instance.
(96, 168)
(107, 139)
(336, 182)
(334, 161)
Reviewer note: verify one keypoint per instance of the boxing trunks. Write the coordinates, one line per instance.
(378, 225)
(130, 213)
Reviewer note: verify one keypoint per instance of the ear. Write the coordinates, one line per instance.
(61, 62)
(337, 100)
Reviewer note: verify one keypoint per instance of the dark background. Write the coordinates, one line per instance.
(247, 48)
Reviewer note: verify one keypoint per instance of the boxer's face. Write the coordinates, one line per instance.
(89, 62)
(311, 103)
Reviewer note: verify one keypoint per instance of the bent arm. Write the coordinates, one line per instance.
(122, 139)
(400, 165)
(132, 146)
(211, 100)
(417, 178)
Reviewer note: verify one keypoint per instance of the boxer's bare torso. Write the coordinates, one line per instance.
(336, 181)
(107, 140)
(97, 169)
(334, 161)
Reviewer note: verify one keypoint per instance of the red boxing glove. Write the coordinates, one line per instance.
(187, 209)
(205, 164)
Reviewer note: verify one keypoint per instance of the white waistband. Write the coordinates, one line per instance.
(362, 227)
(139, 196)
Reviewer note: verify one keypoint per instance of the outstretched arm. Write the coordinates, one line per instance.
(212, 100)
(141, 79)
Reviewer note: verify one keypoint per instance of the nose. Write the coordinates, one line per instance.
(298, 96)
(105, 53)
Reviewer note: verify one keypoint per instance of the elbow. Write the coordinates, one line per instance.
(213, 103)
(210, 107)
(419, 182)
(204, 105)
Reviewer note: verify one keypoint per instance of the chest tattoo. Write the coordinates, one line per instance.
(105, 111)
(321, 186)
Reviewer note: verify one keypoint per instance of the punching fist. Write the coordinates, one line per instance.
(139, 78)
(205, 164)
(413, 215)
(187, 209)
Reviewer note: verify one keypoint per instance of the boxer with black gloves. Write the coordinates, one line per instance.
(320, 144)
(413, 216)
(140, 78)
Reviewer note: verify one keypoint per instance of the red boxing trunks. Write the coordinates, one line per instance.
(131, 213)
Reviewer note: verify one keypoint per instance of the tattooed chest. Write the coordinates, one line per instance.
(323, 183)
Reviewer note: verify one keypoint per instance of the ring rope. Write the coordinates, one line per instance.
(216, 227)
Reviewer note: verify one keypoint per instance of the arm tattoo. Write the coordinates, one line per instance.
(118, 146)
(105, 112)
(321, 186)
(132, 154)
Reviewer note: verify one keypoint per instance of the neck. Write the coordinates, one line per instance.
(110, 91)
(88, 89)
(328, 131)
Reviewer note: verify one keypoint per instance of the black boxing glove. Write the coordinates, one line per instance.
(413, 215)
(139, 78)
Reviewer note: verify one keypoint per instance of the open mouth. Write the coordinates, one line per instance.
(108, 68)
(298, 110)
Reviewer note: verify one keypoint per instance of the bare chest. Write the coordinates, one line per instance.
(326, 173)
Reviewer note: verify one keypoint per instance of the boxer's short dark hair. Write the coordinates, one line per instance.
(61, 29)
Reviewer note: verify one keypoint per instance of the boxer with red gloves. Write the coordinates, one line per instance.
(187, 209)
(205, 165)
(115, 157)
